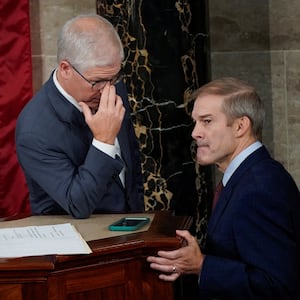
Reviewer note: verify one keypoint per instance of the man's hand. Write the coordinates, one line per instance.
(105, 124)
(185, 260)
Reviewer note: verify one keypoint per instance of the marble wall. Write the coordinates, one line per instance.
(259, 41)
(164, 49)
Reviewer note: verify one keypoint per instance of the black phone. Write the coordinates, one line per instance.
(129, 224)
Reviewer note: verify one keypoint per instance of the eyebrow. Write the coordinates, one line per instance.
(198, 116)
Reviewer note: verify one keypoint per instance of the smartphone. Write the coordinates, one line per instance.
(129, 224)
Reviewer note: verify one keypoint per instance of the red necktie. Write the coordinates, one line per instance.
(217, 194)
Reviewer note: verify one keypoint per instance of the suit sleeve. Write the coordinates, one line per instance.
(76, 189)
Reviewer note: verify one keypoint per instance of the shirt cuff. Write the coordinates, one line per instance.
(106, 148)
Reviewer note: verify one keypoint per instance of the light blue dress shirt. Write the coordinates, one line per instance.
(238, 160)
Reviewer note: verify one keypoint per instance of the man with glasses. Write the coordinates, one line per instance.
(75, 140)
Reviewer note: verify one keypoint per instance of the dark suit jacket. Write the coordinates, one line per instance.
(253, 238)
(65, 173)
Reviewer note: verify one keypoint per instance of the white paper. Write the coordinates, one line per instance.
(42, 240)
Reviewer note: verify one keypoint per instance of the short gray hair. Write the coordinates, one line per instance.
(89, 46)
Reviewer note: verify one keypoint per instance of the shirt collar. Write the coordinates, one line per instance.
(64, 93)
(238, 160)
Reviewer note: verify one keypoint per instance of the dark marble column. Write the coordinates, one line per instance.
(165, 46)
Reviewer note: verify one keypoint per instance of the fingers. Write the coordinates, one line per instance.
(105, 95)
(105, 124)
(119, 106)
(164, 265)
(109, 98)
(185, 237)
(171, 277)
(184, 234)
(169, 272)
(85, 110)
(161, 261)
(186, 260)
(170, 255)
(111, 103)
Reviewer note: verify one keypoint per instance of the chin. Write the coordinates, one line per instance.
(202, 162)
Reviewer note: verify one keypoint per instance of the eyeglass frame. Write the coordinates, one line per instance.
(116, 79)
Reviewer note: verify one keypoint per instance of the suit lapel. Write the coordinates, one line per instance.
(227, 191)
(68, 113)
(219, 208)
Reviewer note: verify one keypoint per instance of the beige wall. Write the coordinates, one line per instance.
(259, 41)
(256, 40)
(47, 16)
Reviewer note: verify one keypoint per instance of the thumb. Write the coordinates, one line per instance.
(185, 236)
(85, 110)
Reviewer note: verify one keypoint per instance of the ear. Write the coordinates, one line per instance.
(242, 125)
(65, 69)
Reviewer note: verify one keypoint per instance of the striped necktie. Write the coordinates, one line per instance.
(122, 173)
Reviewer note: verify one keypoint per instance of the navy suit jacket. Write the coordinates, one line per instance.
(65, 173)
(253, 237)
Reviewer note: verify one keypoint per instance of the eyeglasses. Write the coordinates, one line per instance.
(96, 85)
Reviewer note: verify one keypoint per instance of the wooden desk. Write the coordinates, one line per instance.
(116, 270)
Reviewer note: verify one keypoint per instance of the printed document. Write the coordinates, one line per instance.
(42, 240)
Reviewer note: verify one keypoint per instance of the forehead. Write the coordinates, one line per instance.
(207, 105)
(104, 72)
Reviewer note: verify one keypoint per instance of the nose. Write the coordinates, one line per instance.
(196, 133)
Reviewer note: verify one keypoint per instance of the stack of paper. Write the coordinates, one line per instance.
(42, 240)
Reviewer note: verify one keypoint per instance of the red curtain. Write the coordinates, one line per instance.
(15, 91)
